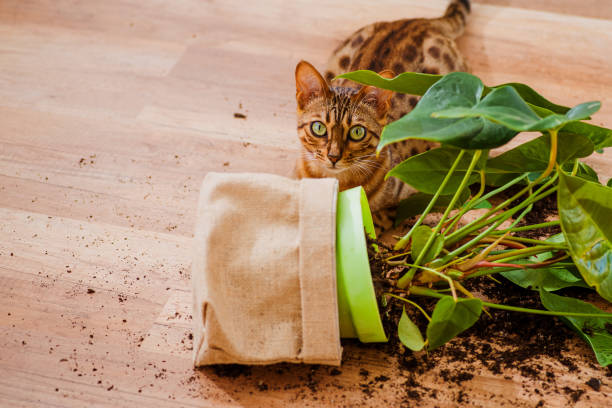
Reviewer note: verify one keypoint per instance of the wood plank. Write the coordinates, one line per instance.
(584, 8)
(112, 112)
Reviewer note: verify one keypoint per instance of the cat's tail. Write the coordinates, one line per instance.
(455, 17)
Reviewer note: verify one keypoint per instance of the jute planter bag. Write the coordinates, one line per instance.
(264, 271)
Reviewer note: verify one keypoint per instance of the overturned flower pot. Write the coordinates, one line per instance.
(280, 271)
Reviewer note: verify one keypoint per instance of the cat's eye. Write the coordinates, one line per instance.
(357, 133)
(318, 129)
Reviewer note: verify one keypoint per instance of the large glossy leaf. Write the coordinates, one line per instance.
(409, 334)
(502, 105)
(426, 171)
(408, 82)
(419, 238)
(417, 84)
(455, 90)
(416, 204)
(450, 318)
(532, 97)
(548, 278)
(505, 106)
(533, 156)
(594, 330)
(601, 137)
(474, 134)
(585, 211)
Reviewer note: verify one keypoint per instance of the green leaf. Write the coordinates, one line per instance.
(532, 97)
(533, 156)
(584, 211)
(473, 133)
(483, 204)
(417, 84)
(419, 237)
(426, 171)
(455, 90)
(584, 171)
(502, 105)
(609, 184)
(505, 106)
(409, 334)
(601, 137)
(450, 318)
(583, 111)
(549, 279)
(409, 82)
(416, 204)
(594, 330)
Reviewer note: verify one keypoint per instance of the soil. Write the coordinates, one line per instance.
(501, 342)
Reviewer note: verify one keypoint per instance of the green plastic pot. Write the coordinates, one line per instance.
(357, 305)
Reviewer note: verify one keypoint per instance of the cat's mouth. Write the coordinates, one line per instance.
(334, 169)
(331, 168)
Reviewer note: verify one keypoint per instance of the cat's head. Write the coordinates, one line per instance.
(339, 127)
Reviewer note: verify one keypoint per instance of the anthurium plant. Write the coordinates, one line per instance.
(467, 119)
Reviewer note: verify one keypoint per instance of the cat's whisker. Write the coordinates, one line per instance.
(373, 165)
(363, 170)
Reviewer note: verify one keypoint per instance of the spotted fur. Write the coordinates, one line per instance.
(417, 45)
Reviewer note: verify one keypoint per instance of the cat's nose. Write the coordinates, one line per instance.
(333, 158)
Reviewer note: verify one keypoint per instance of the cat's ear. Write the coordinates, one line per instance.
(377, 97)
(308, 83)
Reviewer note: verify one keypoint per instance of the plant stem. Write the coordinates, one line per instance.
(532, 241)
(492, 271)
(472, 202)
(507, 241)
(404, 241)
(469, 264)
(503, 263)
(420, 291)
(551, 164)
(575, 168)
(433, 271)
(552, 160)
(403, 282)
(531, 227)
(397, 256)
(481, 222)
(498, 220)
(512, 255)
(410, 302)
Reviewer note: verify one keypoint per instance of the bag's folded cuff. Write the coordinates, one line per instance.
(317, 272)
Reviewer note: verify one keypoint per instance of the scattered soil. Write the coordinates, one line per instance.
(594, 383)
(533, 349)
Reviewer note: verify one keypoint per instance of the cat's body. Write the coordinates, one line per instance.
(331, 113)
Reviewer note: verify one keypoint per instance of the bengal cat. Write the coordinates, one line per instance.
(339, 124)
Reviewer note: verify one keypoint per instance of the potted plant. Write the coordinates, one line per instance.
(467, 119)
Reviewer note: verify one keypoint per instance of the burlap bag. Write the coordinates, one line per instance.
(263, 272)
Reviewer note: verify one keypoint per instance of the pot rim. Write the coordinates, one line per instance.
(357, 304)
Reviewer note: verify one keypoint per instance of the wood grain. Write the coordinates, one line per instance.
(112, 112)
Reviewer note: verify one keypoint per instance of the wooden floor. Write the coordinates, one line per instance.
(112, 112)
